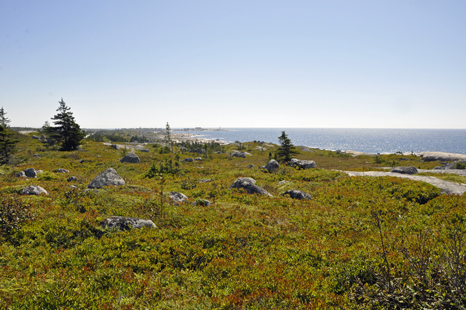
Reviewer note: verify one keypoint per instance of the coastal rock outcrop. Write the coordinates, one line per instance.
(441, 156)
(295, 194)
(131, 158)
(126, 223)
(303, 164)
(108, 177)
(33, 190)
(272, 165)
(249, 185)
(405, 170)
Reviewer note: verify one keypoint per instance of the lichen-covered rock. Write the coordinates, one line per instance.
(249, 185)
(108, 177)
(405, 170)
(61, 170)
(33, 190)
(126, 223)
(303, 164)
(178, 198)
(295, 194)
(131, 158)
(272, 165)
(73, 178)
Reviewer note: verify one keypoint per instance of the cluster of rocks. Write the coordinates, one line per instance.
(248, 184)
(28, 173)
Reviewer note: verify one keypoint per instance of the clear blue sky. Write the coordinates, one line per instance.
(343, 64)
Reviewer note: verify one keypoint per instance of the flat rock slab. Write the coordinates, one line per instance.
(446, 187)
(33, 190)
(108, 177)
(446, 171)
(126, 223)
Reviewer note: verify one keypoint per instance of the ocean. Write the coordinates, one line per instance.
(384, 141)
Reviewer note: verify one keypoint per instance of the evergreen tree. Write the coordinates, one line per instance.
(4, 121)
(66, 132)
(168, 137)
(7, 144)
(286, 149)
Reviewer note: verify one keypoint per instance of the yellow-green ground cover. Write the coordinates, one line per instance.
(360, 242)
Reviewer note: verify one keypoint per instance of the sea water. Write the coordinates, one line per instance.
(362, 140)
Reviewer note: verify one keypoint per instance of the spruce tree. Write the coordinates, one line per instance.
(286, 149)
(4, 121)
(66, 132)
(7, 144)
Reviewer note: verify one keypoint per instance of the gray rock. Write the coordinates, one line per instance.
(240, 154)
(198, 159)
(218, 152)
(249, 185)
(405, 170)
(303, 164)
(73, 178)
(282, 182)
(115, 146)
(39, 171)
(205, 180)
(130, 158)
(442, 156)
(178, 198)
(126, 223)
(21, 174)
(37, 155)
(250, 166)
(73, 186)
(458, 164)
(30, 172)
(35, 137)
(202, 202)
(144, 150)
(187, 160)
(61, 170)
(272, 165)
(108, 177)
(33, 190)
(303, 148)
(295, 194)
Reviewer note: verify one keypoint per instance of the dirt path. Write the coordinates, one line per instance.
(446, 187)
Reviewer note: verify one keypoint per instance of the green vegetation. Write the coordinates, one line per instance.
(360, 242)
